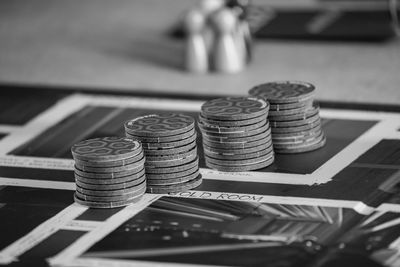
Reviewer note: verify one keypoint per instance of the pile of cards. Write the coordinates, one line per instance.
(169, 143)
(109, 172)
(236, 134)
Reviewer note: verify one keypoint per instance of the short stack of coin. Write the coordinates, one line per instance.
(236, 134)
(294, 118)
(169, 143)
(109, 172)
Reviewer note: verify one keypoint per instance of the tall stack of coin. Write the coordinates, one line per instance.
(169, 143)
(236, 133)
(109, 172)
(295, 121)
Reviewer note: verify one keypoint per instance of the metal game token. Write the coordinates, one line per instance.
(286, 112)
(297, 134)
(237, 134)
(163, 139)
(156, 125)
(282, 106)
(171, 181)
(284, 91)
(133, 166)
(102, 177)
(114, 192)
(177, 156)
(234, 108)
(235, 129)
(163, 189)
(169, 145)
(232, 123)
(156, 176)
(250, 167)
(179, 168)
(240, 156)
(140, 191)
(301, 149)
(212, 150)
(170, 151)
(312, 111)
(311, 141)
(108, 175)
(296, 128)
(305, 141)
(110, 180)
(225, 139)
(234, 138)
(296, 138)
(169, 163)
(108, 204)
(295, 123)
(115, 163)
(236, 145)
(106, 149)
(111, 186)
(237, 163)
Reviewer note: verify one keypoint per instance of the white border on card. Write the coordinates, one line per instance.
(40, 233)
(66, 256)
(65, 220)
(8, 129)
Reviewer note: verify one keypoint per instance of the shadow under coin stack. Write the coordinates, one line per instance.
(109, 172)
(294, 118)
(236, 134)
(169, 143)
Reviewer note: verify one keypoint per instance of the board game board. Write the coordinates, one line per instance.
(303, 210)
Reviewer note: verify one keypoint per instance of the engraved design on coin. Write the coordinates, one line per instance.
(160, 123)
(105, 146)
(283, 90)
(233, 105)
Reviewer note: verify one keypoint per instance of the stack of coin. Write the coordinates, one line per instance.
(169, 143)
(294, 118)
(109, 172)
(236, 134)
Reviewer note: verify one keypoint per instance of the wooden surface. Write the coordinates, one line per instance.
(124, 44)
